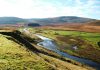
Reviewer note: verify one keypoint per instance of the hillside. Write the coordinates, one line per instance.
(92, 26)
(45, 21)
(94, 23)
(11, 20)
(62, 20)
(15, 56)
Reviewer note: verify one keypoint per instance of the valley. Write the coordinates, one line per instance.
(49, 34)
(86, 43)
(18, 53)
(51, 46)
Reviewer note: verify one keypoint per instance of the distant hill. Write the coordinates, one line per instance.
(61, 20)
(94, 23)
(11, 20)
(45, 21)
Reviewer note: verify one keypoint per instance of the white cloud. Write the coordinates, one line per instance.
(86, 9)
(38, 8)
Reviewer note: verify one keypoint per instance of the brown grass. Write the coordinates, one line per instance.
(75, 26)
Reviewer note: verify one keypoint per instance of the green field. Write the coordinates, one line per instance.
(93, 38)
(87, 43)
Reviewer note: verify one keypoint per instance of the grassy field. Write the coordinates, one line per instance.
(86, 42)
(14, 56)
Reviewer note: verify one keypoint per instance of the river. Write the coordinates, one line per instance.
(51, 45)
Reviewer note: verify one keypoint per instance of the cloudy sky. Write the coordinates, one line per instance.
(50, 8)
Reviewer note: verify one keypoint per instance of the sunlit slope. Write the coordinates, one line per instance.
(15, 56)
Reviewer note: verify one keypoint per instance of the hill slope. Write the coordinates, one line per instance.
(11, 20)
(62, 20)
(14, 56)
(94, 23)
(45, 21)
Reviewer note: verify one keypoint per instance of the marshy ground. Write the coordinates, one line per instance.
(78, 43)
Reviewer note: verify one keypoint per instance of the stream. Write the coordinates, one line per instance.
(51, 45)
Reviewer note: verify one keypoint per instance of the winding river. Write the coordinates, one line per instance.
(51, 45)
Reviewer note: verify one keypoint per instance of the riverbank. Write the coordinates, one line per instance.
(81, 44)
(16, 55)
(49, 44)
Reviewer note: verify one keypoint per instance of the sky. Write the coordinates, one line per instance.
(50, 8)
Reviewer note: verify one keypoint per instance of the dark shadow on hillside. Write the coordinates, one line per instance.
(21, 40)
(18, 36)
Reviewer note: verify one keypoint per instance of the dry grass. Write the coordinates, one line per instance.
(75, 27)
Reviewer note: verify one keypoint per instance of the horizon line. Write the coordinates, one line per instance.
(49, 17)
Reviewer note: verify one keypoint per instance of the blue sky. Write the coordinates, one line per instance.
(50, 8)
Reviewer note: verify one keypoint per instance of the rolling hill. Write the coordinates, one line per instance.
(62, 20)
(11, 20)
(45, 21)
(92, 26)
